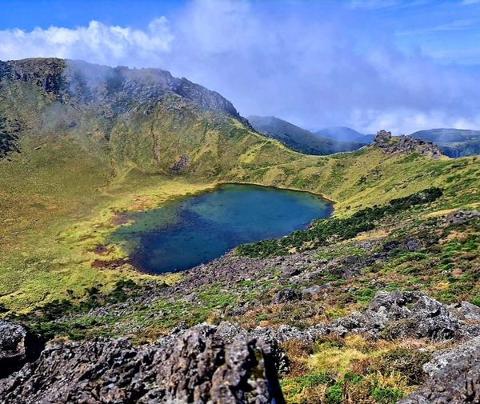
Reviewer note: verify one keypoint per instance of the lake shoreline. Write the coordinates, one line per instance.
(194, 229)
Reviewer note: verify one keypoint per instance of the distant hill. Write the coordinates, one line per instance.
(300, 139)
(452, 142)
(344, 134)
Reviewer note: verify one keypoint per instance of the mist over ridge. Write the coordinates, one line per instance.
(315, 65)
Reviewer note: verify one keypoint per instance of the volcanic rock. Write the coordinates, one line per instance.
(403, 314)
(201, 364)
(405, 144)
(453, 377)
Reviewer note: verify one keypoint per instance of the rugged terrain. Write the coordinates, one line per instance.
(367, 306)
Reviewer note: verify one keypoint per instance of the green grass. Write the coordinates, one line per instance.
(361, 369)
(60, 196)
(55, 210)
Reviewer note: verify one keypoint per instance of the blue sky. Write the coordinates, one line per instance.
(403, 65)
(28, 14)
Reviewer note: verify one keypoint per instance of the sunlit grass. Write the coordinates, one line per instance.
(59, 201)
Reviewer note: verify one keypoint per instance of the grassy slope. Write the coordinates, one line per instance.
(55, 208)
(70, 202)
(368, 177)
(58, 197)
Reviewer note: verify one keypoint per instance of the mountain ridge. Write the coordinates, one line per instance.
(344, 133)
(299, 139)
(93, 83)
(453, 142)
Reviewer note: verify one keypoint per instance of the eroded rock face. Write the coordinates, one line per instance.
(201, 364)
(453, 377)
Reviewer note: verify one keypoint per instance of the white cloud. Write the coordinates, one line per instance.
(406, 121)
(316, 67)
(96, 42)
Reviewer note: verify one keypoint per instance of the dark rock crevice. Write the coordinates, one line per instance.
(17, 346)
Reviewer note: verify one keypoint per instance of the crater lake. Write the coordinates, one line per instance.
(184, 233)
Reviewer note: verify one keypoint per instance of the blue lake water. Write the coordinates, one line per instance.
(187, 232)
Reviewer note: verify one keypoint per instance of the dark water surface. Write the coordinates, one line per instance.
(195, 230)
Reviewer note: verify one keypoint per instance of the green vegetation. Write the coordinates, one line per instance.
(336, 229)
(81, 170)
(76, 197)
(353, 369)
(57, 213)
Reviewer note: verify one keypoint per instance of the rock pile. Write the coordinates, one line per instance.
(405, 144)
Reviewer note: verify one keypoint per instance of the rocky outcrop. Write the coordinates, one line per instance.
(395, 315)
(201, 364)
(453, 377)
(17, 345)
(8, 144)
(9, 136)
(180, 165)
(226, 363)
(459, 217)
(403, 314)
(405, 144)
(286, 295)
(383, 137)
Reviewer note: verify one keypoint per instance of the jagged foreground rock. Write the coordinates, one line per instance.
(202, 364)
(453, 377)
(225, 363)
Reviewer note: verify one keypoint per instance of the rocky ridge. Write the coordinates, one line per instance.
(405, 144)
(53, 97)
(71, 81)
(202, 364)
